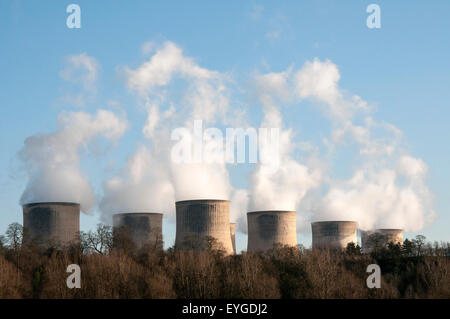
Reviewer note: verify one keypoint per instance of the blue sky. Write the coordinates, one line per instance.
(403, 68)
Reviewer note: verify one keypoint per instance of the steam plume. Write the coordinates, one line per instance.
(52, 160)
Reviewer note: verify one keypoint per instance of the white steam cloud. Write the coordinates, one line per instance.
(382, 198)
(142, 186)
(82, 71)
(282, 188)
(200, 94)
(52, 160)
(387, 188)
(280, 182)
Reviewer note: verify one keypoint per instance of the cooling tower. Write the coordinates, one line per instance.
(269, 228)
(233, 236)
(143, 229)
(201, 220)
(51, 223)
(333, 234)
(380, 238)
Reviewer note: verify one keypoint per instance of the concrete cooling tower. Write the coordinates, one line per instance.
(51, 223)
(233, 236)
(269, 228)
(198, 220)
(371, 239)
(333, 234)
(143, 229)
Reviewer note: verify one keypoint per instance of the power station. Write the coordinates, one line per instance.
(378, 238)
(200, 224)
(199, 221)
(267, 229)
(51, 223)
(333, 234)
(143, 229)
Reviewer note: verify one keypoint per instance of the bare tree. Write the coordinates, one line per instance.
(377, 241)
(99, 241)
(419, 243)
(14, 235)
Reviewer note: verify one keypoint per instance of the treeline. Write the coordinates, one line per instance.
(111, 269)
